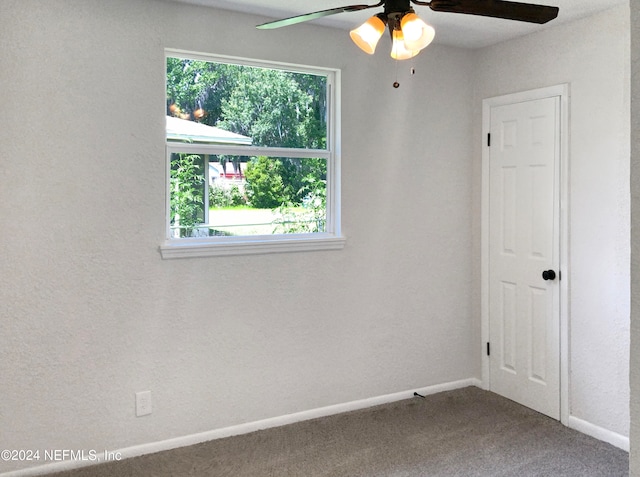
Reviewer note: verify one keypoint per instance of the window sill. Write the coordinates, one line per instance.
(193, 248)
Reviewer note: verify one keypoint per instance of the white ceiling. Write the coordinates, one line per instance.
(453, 29)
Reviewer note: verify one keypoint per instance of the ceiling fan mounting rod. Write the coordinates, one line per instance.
(396, 6)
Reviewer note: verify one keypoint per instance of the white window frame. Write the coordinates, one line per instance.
(331, 239)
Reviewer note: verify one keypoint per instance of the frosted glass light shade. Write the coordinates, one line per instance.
(399, 50)
(417, 34)
(367, 35)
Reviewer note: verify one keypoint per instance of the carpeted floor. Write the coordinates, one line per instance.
(466, 433)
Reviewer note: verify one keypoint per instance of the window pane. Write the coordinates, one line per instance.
(219, 103)
(216, 195)
(187, 193)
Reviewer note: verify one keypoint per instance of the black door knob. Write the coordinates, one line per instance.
(548, 275)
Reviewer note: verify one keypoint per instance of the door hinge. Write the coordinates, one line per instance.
(488, 349)
(489, 139)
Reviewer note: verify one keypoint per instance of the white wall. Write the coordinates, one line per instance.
(90, 312)
(593, 56)
(635, 239)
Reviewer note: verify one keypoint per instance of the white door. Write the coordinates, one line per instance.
(524, 247)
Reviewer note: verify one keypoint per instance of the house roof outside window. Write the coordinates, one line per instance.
(190, 131)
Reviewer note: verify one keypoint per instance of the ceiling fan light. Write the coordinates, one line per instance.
(367, 35)
(417, 34)
(399, 50)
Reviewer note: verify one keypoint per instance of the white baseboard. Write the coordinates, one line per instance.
(599, 433)
(193, 439)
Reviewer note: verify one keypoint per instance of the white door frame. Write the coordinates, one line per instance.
(562, 91)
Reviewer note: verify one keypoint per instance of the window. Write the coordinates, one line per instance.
(252, 157)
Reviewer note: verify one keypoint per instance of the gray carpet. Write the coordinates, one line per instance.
(467, 432)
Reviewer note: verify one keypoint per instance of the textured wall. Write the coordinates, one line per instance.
(90, 312)
(635, 239)
(593, 56)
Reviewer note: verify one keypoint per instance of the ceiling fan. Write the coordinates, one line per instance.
(408, 32)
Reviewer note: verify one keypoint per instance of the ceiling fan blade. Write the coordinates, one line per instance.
(524, 12)
(312, 16)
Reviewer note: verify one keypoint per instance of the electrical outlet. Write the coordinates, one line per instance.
(143, 403)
